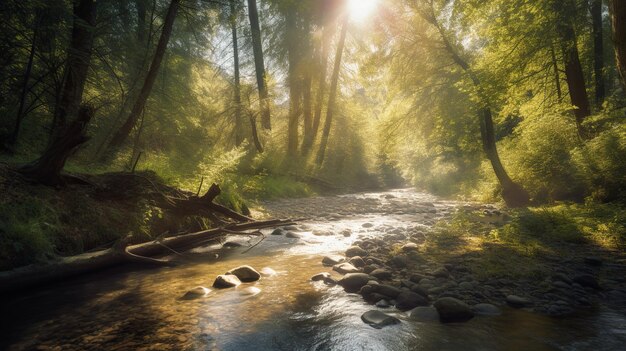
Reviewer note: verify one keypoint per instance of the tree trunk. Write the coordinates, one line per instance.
(307, 106)
(77, 65)
(618, 26)
(574, 75)
(512, 193)
(29, 67)
(557, 78)
(236, 83)
(295, 92)
(332, 97)
(321, 89)
(259, 64)
(598, 50)
(123, 133)
(47, 169)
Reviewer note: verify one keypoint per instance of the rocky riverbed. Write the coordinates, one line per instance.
(358, 272)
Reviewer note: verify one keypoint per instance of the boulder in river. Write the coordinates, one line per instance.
(453, 310)
(345, 268)
(425, 314)
(352, 282)
(517, 301)
(407, 300)
(357, 261)
(249, 291)
(486, 309)
(378, 319)
(320, 276)
(332, 260)
(381, 273)
(355, 251)
(292, 235)
(245, 273)
(197, 292)
(367, 225)
(277, 231)
(408, 247)
(224, 281)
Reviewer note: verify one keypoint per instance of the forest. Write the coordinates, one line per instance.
(440, 142)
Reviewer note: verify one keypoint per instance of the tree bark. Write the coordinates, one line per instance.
(122, 134)
(321, 89)
(307, 106)
(236, 83)
(598, 50)
(618, 26)
(259, 64)
(77, 65)
(332, 94)
(574, 75)
(295, 92)
(557, 77)
(47, 169)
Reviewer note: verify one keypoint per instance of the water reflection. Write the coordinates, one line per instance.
(142, 310)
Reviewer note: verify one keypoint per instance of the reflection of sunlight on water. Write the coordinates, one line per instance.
(143, 309)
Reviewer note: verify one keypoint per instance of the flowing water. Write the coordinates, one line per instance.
(142, 310)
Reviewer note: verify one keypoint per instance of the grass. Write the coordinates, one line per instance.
(519, 246)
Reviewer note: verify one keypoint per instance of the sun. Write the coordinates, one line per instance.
(359, 10)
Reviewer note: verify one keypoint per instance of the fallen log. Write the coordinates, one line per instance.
(34, 275)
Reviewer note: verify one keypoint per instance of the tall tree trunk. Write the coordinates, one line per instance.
(332, 94)
(29, 67)
(321, 88)
(574, 75)
(236, 83)
(512, 193)
(124, 131)
(618, 26)
(295, 92)
(307, 113)
(598, 50)
(557, 78)
(259, 64)
(77, 64)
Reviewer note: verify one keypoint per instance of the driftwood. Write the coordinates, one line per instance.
(33, 275)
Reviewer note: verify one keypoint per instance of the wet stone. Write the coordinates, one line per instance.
(332, 260)
(486, 309)
(379, 319)
(224, 281)
(245, 273)
(345, 268)
(517, 301)
(320, 276)
(267, 272)
(352, 282)
(453, 310)
(425, 314)
(355, 251)
(195, 293)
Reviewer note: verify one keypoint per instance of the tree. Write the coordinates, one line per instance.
(236, 83)
(598, 50)
(259, 64)
(332, 94)
(512, 193)
(77, 65)
(294, 46)
(618, 26)
(574, 75)
(123, 133)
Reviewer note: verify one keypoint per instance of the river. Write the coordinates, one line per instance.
(122, 309)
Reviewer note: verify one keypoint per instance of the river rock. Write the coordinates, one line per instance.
(352, 282)
(367, 225)
(378, 319)
(197, 292)
(332, 260)
(357, 261)
(381, 273)
(517, 301)
(388, 291)
(486, 309)
(277, 231)
(345, 268)
(320, 276)
(292, 235)
(407, 300)
(346, 233)
(441, 273)
(587, 280)
(245, 273)
(400, 261)
(355, 251)
(224, 281)
(383, 304)
(409, 247)
(425, 314)
(267, 272)
(453, 310)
